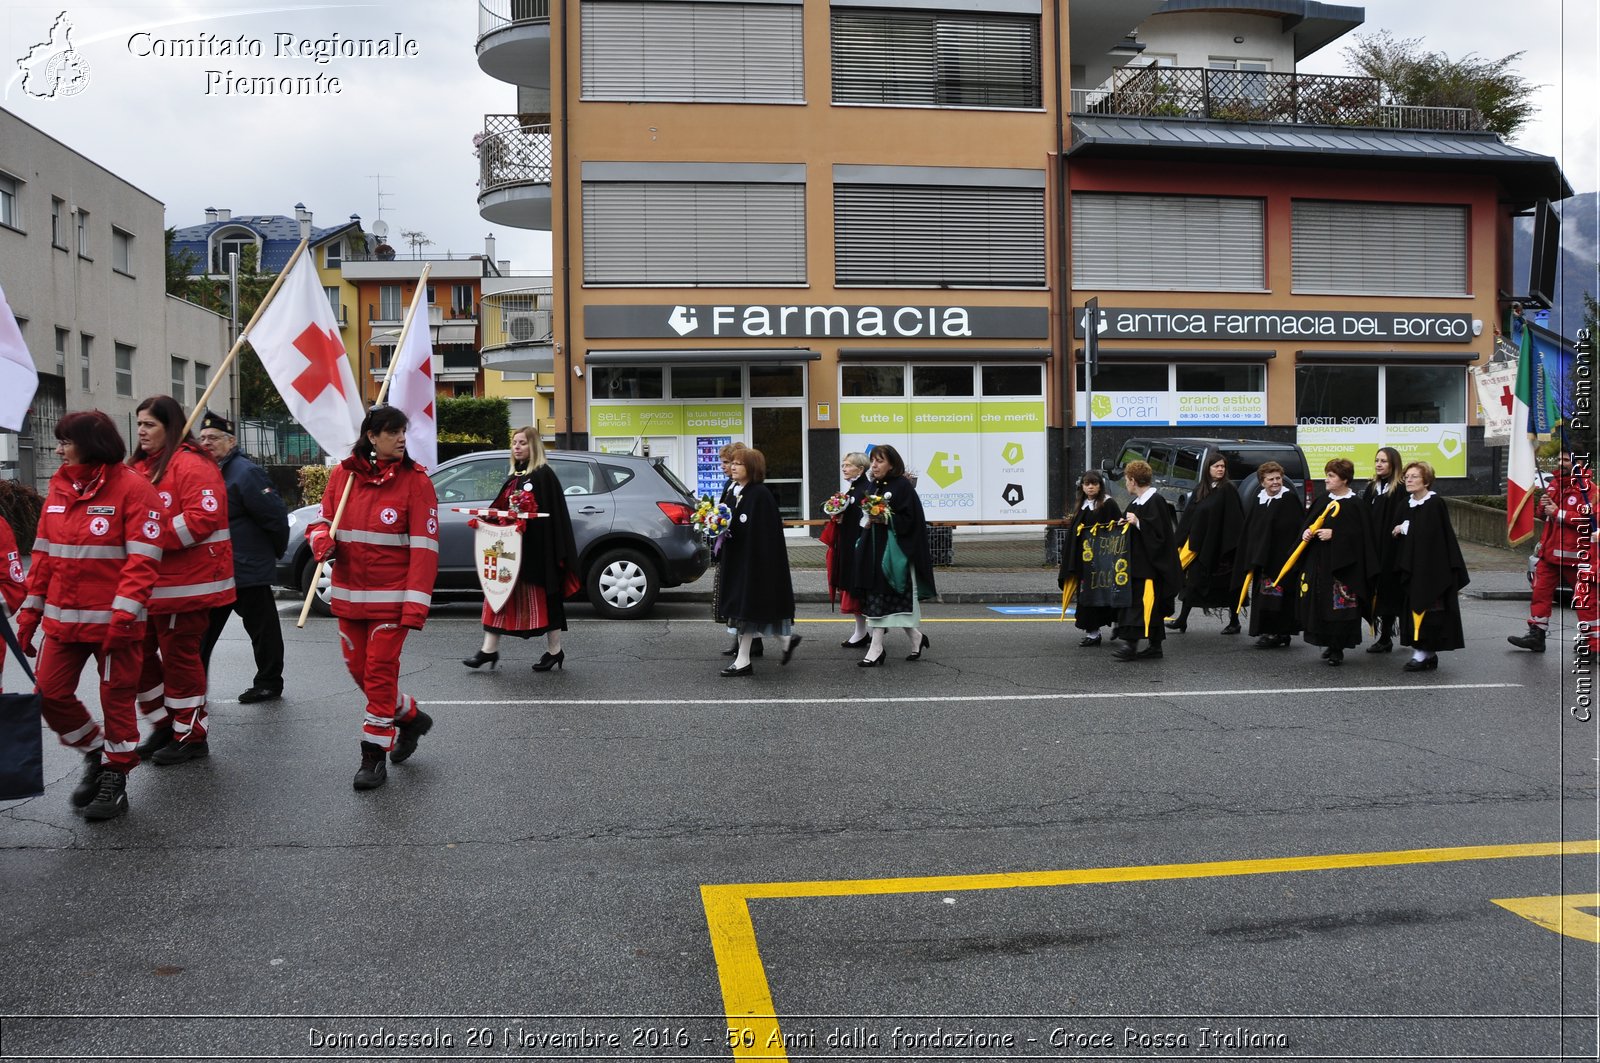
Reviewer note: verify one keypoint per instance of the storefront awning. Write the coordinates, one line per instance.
(943, 354)
(1386, 357)
(704, 356)
(1146, 355)
(458, 332)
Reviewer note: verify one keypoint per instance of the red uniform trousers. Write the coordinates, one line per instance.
(173, 682)
(1546, 577)
(372, 653)
(58, 668)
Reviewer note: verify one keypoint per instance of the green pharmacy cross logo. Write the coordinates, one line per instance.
(944, 469)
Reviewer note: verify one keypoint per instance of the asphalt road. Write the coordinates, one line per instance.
(1014, 848)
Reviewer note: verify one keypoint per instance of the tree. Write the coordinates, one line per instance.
(179, 267)
(1415, 77)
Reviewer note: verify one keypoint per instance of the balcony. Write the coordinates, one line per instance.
(1259, 96)
(514, 160)
(518, 331)
(514, 41)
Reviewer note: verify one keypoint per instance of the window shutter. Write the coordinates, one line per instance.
(1379, 248)
(747, 53)
(935, 58)
(939, 235)
(1168, 243)
(671, 232)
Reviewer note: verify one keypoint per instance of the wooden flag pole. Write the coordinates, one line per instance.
(383, 391)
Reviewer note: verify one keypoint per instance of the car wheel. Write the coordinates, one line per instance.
(322, 602)
(623, 584)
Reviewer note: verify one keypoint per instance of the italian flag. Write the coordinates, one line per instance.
(1522, 469)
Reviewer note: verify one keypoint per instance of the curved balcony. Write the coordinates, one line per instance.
(518, 331)
(514, 172)
(514, 41)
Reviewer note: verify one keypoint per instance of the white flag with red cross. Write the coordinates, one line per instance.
(297, 339)
(411, 389)
(18, 377)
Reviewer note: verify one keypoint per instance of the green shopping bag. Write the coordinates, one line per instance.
(896, 566)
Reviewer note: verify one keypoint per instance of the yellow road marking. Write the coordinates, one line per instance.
(1561, 914)
(747, 997)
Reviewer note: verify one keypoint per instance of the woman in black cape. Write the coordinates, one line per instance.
(1431, 570)
(753, 561)
(1210, 527)
(537, 605)
(1337, 568)
(841, 533)
(1387, 497)
(1153, 568)
(1273, 519)
(885, 604)
(1093, 506)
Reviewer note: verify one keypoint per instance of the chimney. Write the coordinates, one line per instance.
(303, 216)
(505, 267)
(224, 213)
(211, 214)
(488, 247)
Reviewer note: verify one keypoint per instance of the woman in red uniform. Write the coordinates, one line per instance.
(196, 576)
(388, 554)
(96, 557)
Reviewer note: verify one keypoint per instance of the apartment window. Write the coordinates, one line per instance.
(62, 336)
(389, 302)
(58, 235)
(333, 254)
(124, 370)
(1379, 248)
(935, 58)
(233, 244)
(202, 377)
(333, 303)
(85, 357)
(696, 230)
(461, 300)
(83, 233)
(10, 213)
(180, 375)
(697, 52)
(1168, 243)
(978, 233)
(122, 251)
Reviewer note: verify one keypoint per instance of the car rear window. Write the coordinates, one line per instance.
(667, 475)
(577, 477)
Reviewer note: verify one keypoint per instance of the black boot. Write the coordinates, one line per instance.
(1533, 640)
(410, 731)
(110, 797)
(161, 736)
(372, 773)
(89, 785)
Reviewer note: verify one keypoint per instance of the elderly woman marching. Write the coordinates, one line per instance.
(96, 559)
(1431, 570)
(887, 601)
(753, 560)
(1339, 565)
(840, 534)
(549, 556)
(196, 577)
(388, 554)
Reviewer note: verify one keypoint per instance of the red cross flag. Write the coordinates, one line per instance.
(18, 377)
(297, 339)
(411, 388)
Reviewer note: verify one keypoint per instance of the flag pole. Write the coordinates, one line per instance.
(417, 299)
(239, 342)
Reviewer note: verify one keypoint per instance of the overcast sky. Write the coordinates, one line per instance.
(170, 128)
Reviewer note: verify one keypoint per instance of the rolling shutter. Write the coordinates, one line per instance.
(1168, 243)
(700, 52)
(1379, 248)
(939, 235)
(935, 58)
(693, 232)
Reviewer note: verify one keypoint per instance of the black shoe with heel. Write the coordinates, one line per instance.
(1429, 664)
(874, 662)
(1090, 640)
(856, 644)
(479, 659)
(550, 660)
(916, 654)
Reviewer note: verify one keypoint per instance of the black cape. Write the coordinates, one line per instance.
(1211, 528)
(1387, 511)
(754, 561)
(910, 528)
(847, 529)
(1336, 576)
(1153, 557)
(1431, 572)
(549, 549)
(1087, 617)
(1271, 532)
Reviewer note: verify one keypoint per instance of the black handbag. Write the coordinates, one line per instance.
(21, 739)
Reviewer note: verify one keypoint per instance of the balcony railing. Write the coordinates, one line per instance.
(1260, 96)
(523, 317)
(512, 152)
(498, 14)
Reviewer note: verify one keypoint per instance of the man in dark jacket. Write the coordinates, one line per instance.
(258, 524)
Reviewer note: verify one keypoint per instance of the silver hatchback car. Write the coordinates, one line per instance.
(630, 517)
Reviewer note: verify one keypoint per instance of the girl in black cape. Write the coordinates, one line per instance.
(885, 604)
(1093, 506)
(841, 533)
(1431, 570)
(537, 605)
(1273, 519)
(1210, 527)
(753, 561)
(728, 497)
(1337, 568)
(1387, 497)
(1153, 568)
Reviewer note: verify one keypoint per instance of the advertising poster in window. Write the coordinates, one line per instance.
(1222, 407)
(708, 476)
(1128, 407)
(1444, 446)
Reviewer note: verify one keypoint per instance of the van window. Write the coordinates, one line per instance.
(1160, 460)
(1186, 466)
(1133, 452)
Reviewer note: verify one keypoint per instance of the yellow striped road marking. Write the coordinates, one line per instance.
(1562, 914)
(747, 997)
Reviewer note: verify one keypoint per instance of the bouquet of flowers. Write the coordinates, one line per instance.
(711, 520)
(875, 509)
(836, 503)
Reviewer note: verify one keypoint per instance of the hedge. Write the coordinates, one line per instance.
(483, 420)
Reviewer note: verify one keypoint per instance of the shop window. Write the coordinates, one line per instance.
(1214, 378)
(625, 382)
(1331, 394)
(1013, 380)
(1424, 394)
(873, 381)
(706, 382)
(777, 381)
(1151, 377)
(941, 381)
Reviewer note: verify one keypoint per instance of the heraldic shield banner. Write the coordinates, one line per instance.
(499, 554)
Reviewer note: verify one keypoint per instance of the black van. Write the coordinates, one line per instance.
(1175, 463)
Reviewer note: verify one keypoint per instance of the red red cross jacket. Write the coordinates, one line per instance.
(388, 541)
(1574, 500)
(96, 554)
(13, 584)
(197, 561)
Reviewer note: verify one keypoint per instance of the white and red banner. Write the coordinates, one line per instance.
(18, 377)
(297, 339)
(411, 389)
(1522, 469)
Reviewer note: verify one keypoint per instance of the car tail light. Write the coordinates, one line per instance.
(676, 512)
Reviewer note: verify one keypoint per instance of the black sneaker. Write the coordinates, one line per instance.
(110, 797)
(372, 773)
(406, 742)
(158, 738)
(89, 785)
(180, 752)
(1533, 640)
